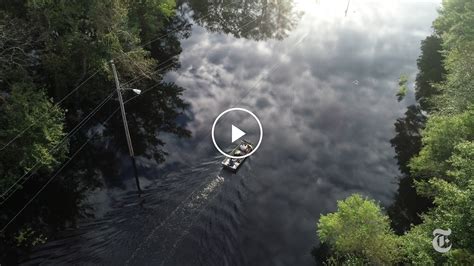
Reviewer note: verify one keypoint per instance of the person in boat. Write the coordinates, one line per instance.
(245, 148)
(237, 153)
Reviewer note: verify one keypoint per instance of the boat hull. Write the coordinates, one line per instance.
(234, 164)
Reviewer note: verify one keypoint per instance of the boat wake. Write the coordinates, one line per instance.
(162, 241)
(151, 224)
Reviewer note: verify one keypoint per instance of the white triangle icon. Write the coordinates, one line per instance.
(236, 133)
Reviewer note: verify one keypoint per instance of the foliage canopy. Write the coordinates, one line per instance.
(440, 165)
(359, 229)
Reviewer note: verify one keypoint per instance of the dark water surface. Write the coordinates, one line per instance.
(321, 79)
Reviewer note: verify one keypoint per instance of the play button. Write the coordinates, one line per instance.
(236, 133)
(248, 130)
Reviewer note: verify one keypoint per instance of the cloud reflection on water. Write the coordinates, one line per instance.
(326, 137)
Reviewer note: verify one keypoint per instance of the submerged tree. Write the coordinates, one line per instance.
(72, 44)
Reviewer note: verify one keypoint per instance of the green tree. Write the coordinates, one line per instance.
(85, 35)
(454, 209)
(47, 49)
(358, 230)
(447, 159)
(19, 45)
(454, 25)
(444, 166)
(402, 87)
(150, 16)
(440, 138)
(28, 107)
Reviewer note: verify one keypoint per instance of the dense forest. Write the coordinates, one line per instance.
(58, 106)
(57, 101)
(58, 110)
(434, 146)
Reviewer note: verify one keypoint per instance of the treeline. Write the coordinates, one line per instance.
(54, 72)
(435, 151)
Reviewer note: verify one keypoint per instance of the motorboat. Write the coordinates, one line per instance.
(243, 148)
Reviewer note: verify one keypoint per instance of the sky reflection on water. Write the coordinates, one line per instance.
(325, 95)
(326, 99)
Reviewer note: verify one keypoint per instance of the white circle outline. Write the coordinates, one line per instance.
(230, 110)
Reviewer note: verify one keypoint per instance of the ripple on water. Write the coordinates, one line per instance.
(199, 206)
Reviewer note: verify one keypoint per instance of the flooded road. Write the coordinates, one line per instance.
(322, 78)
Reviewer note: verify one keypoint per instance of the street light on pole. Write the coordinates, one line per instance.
(125, 124)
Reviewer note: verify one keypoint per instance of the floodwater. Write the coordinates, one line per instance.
(322, 78)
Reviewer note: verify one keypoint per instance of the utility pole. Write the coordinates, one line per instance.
(125, 125)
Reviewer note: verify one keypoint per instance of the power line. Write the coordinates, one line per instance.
(273, 68)
(128, 83)
(107, 98)
(95, 73)
(174, 31)
(72, 132)
(56, 104)
(347, 8)
(57, 172)
(137, 79)
(163, 36)
(154, 86)
(64, 165)
(134, 80)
